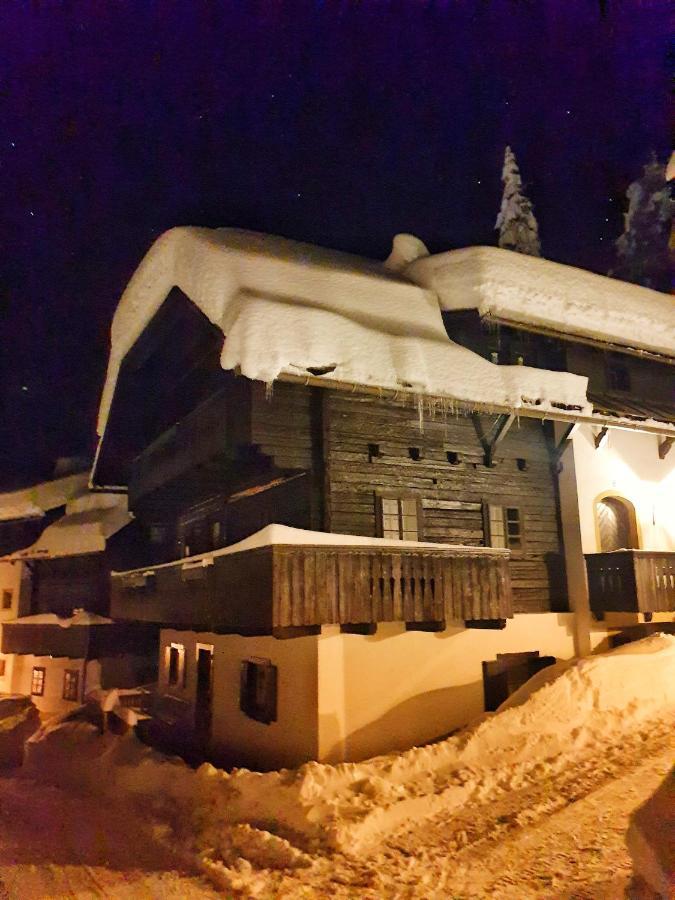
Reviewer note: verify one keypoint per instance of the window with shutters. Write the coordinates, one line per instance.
(71, 683)
(258, 690)
(504, 527)
(399, 518)
(37, 681)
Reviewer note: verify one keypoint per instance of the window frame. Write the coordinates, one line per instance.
(42, 679)
(70, 677)
(259, 689)
(381, 496)
(176, 651)
(504, 505)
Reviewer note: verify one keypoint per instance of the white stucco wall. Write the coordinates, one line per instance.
(627, 465)
(51, 702)
(289, 741)
(399, 688)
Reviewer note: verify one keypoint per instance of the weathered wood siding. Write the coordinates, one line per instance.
(451, 495)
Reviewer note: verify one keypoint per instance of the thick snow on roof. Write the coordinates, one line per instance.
(36, 500)
(286, 308)
(87, 524)
(538, 292)
(285, 534)
(79, 617)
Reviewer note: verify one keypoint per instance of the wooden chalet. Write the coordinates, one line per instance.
(338, 558)
(57, 642)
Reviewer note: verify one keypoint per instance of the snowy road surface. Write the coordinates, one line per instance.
(559, 837)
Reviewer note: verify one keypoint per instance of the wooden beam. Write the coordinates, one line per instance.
(368, 628)
(497, 434)
(601, 437)
(664, 447)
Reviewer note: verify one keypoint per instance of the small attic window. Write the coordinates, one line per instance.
(374, 452)
(522, 464)
(452, 457)
(415, 453)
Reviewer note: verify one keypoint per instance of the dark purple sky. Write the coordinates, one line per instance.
(339, 123)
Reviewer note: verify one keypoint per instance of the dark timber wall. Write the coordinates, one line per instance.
(452, 495)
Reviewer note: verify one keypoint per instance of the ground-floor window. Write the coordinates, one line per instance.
(258, 690)
(7, 599)
(71, 683)
(3, 663)
(176, 670)
(37, 681)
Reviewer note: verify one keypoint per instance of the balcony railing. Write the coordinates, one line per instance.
(631, 581)
(296, 585)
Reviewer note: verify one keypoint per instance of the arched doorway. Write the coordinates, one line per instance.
(616, 524)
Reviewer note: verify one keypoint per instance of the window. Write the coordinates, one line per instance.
(3, 663)
(158, 534)
(505, 527)
(399, 518)
(453, 457)
(258, 690)
(175, 654)
(37, 682)
(415, 453)
(71, 683)
(7, 599)
(374, 452)
(618, 375)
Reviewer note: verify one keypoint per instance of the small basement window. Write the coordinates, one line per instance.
(7, 599)
(71, 684)
(37, 681)
(505, 527)
(258, 690)
(399, 518)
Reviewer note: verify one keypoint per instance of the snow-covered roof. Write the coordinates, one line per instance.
(79, 617)
(539, 293)
(34, 501)
(274, 534)
(90, 520)
(288, 308)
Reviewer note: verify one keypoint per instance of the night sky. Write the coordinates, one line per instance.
(339, 123)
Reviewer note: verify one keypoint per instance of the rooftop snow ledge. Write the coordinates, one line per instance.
(540, 293)
(287, 307)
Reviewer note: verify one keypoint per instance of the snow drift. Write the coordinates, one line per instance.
(350, 807)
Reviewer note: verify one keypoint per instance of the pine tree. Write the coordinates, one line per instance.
(518, 229)
(642, 252)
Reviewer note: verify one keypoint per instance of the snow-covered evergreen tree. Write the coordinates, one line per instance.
(643, 255)
(518, 229)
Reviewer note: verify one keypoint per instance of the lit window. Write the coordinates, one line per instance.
(258, 690)
(399, 518)
(7, 599)
(37, 681)
(71, 683)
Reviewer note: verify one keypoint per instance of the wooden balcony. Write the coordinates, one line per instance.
(292, 586)
(631, 581)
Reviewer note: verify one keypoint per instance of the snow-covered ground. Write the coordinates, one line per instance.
(531, 802)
